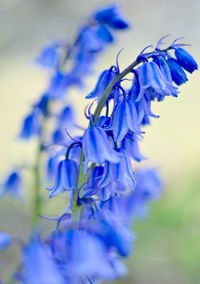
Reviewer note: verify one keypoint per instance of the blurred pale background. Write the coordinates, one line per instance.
(168, 245)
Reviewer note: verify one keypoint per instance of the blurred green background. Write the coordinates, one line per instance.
(167, 249)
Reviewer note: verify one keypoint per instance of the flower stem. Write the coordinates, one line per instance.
(37, 183)
(81, 176)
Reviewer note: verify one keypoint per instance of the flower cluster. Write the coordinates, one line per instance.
(96, 168)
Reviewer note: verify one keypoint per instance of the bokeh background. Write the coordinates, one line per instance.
(167, 249)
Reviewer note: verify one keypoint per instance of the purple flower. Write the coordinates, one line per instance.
(65, 177)
(97, 148)
(185, 60)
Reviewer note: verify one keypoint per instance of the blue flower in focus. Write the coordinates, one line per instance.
(66, 176)
(124, 118)
(177, 72)
(49, 56)
(97, 148)
(112, 17)
(12, 186)
(153, 82)
(5, 241)
(185, 60)
(31, 125)
(104, 79)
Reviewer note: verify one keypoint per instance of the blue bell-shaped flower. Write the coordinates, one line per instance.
(97, 148)
(185, 60)
(65, 178)
(124, 118)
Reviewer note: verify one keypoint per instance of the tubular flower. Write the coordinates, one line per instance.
(124, 118)
(185, 60)
(103, 82)
(31, 125)
(130, 144)
(178, 74)
(97, 148)
(120, 175)
(65, 178)
(153, 82)
(12, 186)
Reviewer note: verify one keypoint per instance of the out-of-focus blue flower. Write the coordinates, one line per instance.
(49, 56)
(185, 60)
(39, 265)
(135, 204)
(112, 17)
(58, 85)
(111, 231)
(31, 125)
(97, 148)
(104, 79)
(13, 186)
(130, 144)
(65, 177)
(5, 241)
(66, 117)
(42, 105)
(178, 74)
(124, 118)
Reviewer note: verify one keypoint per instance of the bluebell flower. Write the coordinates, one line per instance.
(97, 148)
(135, 204)
(58, 85)
(130, 144)
(49, 56)
(178, 74)
(185, 60)
(5, 241)
(31, 125)
(52, 164)
(66, 117)
(120, 174)
(104, 79)
(59, 136)
(66, 176)
(39, 265)
(112, 17)
(153, 82)
(124, 118)
(111, 231)
(42, 105)
(13, 186)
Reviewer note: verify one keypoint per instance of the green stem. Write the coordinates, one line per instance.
(37, 183)
(81, 176)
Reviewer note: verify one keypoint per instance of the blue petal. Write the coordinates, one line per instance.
(185, 60)
(178, 74)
